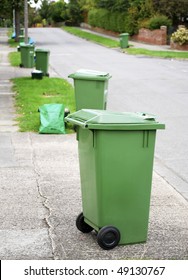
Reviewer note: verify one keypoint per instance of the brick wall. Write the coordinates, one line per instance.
(155, 37)
(176, 46)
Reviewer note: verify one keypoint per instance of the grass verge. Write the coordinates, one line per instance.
(12, 43)
(162, 54)
(15, 59)
(107, 42)
(32, 93)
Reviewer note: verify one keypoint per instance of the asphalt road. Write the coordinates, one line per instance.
(138, 83)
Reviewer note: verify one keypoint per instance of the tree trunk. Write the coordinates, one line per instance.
(17, 24)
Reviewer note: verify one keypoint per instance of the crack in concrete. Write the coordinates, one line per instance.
(44, 198)
(45, 203)
(143, 252)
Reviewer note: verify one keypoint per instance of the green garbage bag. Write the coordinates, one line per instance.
(52, 119)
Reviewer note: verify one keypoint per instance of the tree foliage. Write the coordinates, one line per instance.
(45, 10)
(74, 12)
(53, 11)
(111, 5)
(174, 9)
(7, 7)
(58, 11)
(134, 12)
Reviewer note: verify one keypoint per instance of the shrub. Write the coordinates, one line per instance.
(180, 36)
(92, 17)
(131, 22)
(144, 23)
(156, 22)
(103, 19)
(114, 21)
(121, 20)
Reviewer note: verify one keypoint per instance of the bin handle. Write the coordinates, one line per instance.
(75, 121)
(148, 117)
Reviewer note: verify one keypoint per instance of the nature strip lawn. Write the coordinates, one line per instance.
(14, 58)
(32, 93)
(162, 54)
(108, 42)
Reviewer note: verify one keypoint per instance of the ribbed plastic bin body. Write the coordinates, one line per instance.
(42, 60)
(27, 55)
(116, 154)
(124, 40)
(91, 89)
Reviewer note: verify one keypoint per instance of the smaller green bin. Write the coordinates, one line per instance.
(116, 152)
(19, 46)
(91, 89)
(21, 38)
(22, 31)
(124, 40)
(27, 55)
(42, 60)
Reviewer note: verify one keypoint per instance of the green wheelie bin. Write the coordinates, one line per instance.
(91, 89)
(21, 38)
(42, 60)
(116, 152)
(124, 40)
(22, 31)
(27, 55)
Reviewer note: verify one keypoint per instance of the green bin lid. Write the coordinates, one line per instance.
(107, 120)
(42, 50)
(86, 74)
(23, 45)
(124, 34)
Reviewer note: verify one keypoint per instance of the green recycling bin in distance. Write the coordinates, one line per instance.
(42, 60)
(22, 31)
(21, 38)
(27, 55)
(116, 152)
(91, 89)
(124, 40)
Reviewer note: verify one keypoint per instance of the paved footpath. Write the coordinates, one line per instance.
(40, 195)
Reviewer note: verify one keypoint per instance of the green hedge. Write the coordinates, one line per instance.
(114, 21)
(125, 22)
(156, 22)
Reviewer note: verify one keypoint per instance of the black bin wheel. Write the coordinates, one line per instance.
(81, 224)
(108, 237)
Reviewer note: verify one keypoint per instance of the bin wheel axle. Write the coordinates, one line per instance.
(81, 224)
(108, 237)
